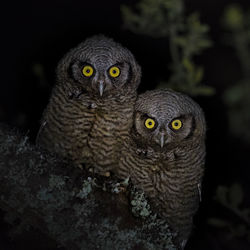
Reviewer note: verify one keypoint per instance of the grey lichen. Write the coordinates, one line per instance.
(165, 236)
(21, 147)
(116, 186)
(57, 181)
(140, 205)
(141, 208)
(86, 188)
(63, 205)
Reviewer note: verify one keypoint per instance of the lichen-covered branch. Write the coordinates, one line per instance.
(67, 206)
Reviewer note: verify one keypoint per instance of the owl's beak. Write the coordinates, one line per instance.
(162, 140)
(101, 88)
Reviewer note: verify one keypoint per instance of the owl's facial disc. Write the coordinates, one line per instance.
(99, 76)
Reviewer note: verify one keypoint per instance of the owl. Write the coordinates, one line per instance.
(164, 156)
(90, 110)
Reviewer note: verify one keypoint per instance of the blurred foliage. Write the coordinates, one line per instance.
(231, 198)
(186, 35)
(236, 97)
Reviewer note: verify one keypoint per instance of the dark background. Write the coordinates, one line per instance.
(35, 35)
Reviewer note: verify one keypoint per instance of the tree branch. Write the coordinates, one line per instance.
(66, 206)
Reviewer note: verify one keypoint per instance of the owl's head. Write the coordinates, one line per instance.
(165, 119)
(99, 66)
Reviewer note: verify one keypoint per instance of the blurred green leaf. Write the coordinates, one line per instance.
(199, 75)
(181, 41)
(204, 90)
(233, 17)
(235, 195)
(189, 66)
(151, 17)
(38, 70)
(234, 94)
(221, 194)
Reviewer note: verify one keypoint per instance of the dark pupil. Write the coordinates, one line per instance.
(176, 124)
(114, 71)
(150, 123)
(88, 70)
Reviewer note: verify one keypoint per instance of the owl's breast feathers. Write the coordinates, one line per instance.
(86, 129)
(111, 125)
(171, 182)
(68, 121)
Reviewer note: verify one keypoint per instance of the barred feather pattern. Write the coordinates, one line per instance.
(87, 129)
(171, 184)
(170, 176)
(113, 121)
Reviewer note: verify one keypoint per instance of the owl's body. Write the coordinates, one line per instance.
(167, 163)
(91, 106)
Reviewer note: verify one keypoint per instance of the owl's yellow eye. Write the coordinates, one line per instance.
(149, 123)
(87, 71)
(176, 124)
(114, 71)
